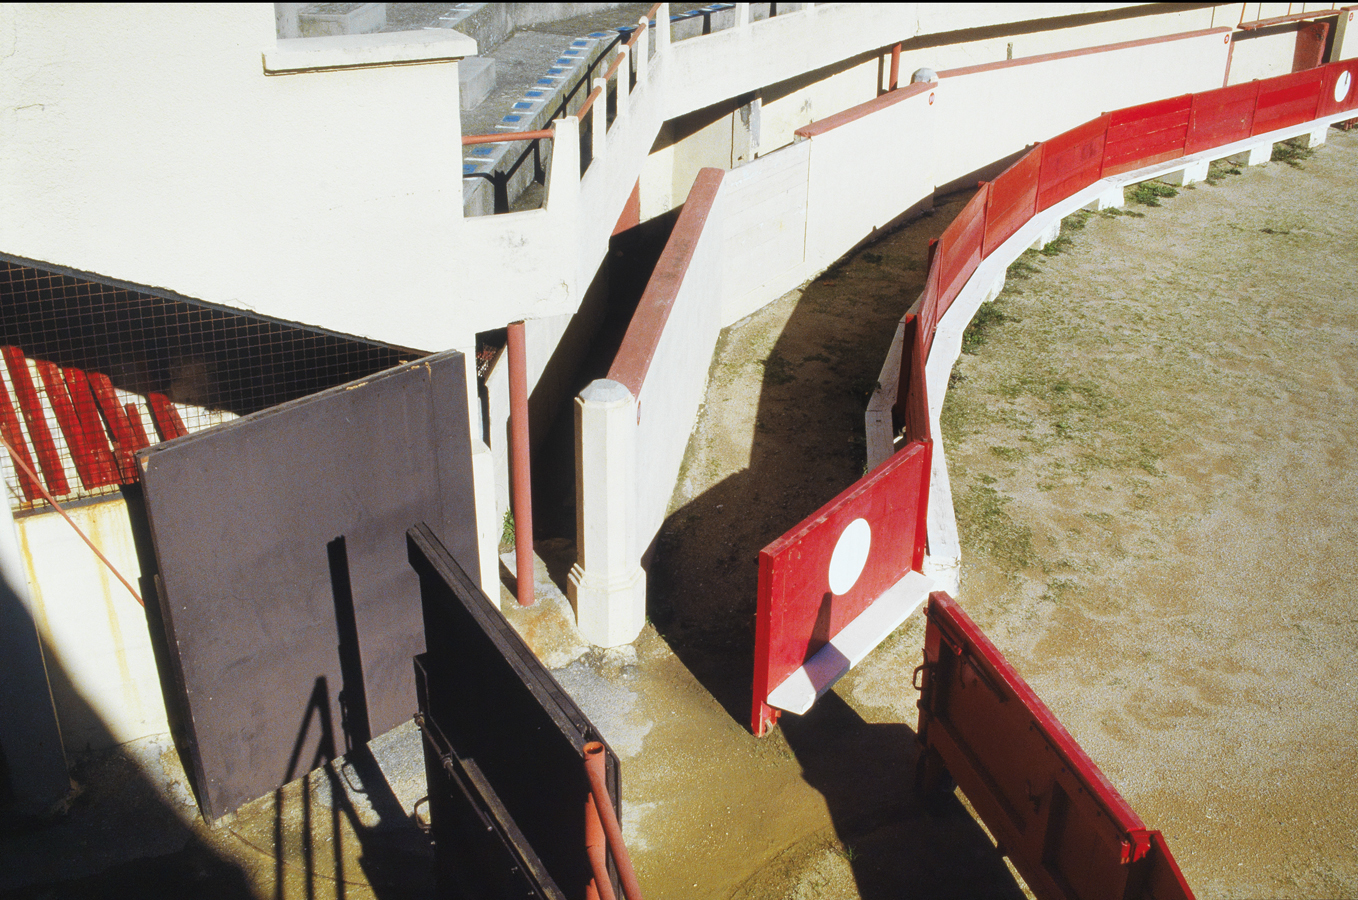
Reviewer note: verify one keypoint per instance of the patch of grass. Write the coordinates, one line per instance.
(988, 317)
(1150, 193)
(507, 531)
(986, 525)
(1072, 223)
(777, 370)
(873, 258)
(818, 357)
(1008, 454)
(1291, 152)
(1023, 267)
(1219, 169)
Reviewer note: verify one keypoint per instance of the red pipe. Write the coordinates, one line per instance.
(469, 139)
(895, 67)
(597, 850)
(520, 474)
(594, 768)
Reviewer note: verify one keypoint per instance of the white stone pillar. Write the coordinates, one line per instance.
(1113, 198)
(607, 586)
(1190, 174)
(563, 176)
(643, 56)
(599, 119)
(662, 29)
(1050, 233)
(1315, 137)
(1254, 156)
(624, 97)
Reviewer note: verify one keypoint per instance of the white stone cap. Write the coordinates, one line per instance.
(603, 391)
(361, 51)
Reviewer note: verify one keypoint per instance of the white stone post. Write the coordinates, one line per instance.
(662, 29)
(607, 586)
(643, 40)
(1315, 137)
(1113, 198)
(1190, 174)
(599, 118)
(743, 16)
(563, 176)
(624, 96)
(1254, 156)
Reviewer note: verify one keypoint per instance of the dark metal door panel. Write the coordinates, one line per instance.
(280, 542)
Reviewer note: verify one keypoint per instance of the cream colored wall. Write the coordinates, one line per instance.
(145, 143)
(1267, 56)
(104, 680)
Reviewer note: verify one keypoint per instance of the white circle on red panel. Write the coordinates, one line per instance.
(1341, 86)
(850, 556)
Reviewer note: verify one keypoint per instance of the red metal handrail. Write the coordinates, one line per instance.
(469, 139)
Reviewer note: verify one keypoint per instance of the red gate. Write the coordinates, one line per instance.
(1067, 830)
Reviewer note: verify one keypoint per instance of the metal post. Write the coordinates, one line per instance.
(596, 849)
(895, 68)
(594, 770)
(520, 473)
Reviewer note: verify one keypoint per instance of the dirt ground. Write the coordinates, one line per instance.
(1152, 454)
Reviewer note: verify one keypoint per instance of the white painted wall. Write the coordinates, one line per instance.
(103, 674)
(146, 143)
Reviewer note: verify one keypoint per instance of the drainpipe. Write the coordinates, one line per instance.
(520, 474)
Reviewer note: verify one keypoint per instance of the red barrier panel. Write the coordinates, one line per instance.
(1223, 116)
(1339, 89)
(1287, 100)
(96, 438)
(818, 578)
(1012, 201)
(1146, 134)
(14, 436)
(1052, 811)
(1071, 162)
(36, 420)
(912, 397)
(959, 250)
(928, 307)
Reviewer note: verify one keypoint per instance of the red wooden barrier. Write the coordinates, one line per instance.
(1071, 162)
(166, 417)
(1146, 134)
(96, 438)
(1287, 100)
(55, 388)
(1067, 830)
(36, 420)
(802, 604)
(14, 436)
(1012, 201)
(928, 307)
(1223, 116)
(912, 398)
(959, 249)
(1339, 89)
(124, 439)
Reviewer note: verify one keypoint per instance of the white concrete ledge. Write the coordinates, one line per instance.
(291, 56)
(848, 648)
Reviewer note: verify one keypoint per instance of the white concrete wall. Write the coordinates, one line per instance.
(667, 405)
(986, 116)
(764, 230)
(1262, 56)
(146, 143)
(104, 679)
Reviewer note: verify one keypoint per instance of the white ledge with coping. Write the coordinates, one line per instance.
(292, 56)
(943, 560)
(855, 641)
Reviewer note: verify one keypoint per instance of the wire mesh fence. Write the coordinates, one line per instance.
(92, 372)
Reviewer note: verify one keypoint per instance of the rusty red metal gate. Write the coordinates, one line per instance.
(1067, 830)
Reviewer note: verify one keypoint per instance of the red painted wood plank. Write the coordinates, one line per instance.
(138, 429)
(1288, 100)
(959, 249)
(1222, 116)
(1071, 162)
(1146, 134)
(55, 387)
(96, 438)
(1013, 200)
(52, 471)
(124, 440)
(166, 417)
(14, 436)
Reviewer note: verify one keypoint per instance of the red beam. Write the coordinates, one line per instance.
(519, 468)
(14, 436)
(124, 439)
(96, 439)
(36, 420)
